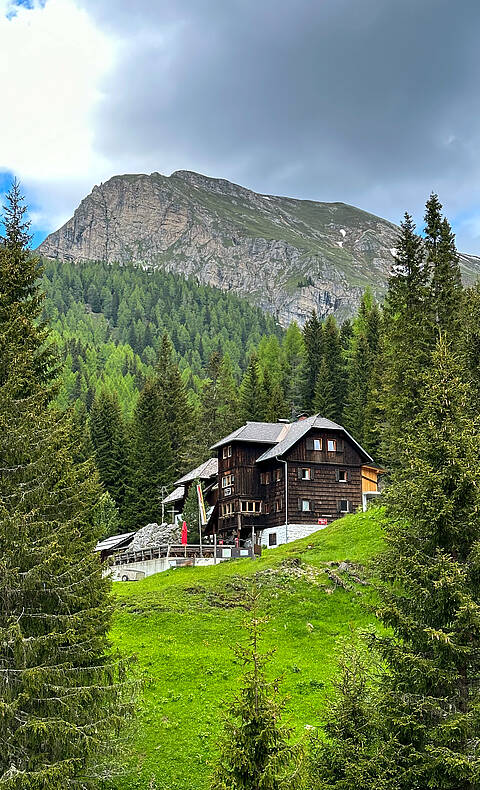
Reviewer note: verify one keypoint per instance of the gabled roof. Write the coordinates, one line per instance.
(175, 496)
(114, 541)
(203, 472)
(260, 432)
(298, 429)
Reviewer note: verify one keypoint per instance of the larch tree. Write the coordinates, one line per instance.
(60, 685)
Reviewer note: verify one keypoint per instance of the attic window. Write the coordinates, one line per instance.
(332, 445)
(227, 451)
(317, 444)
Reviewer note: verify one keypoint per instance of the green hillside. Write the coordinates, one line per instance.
(182, 623)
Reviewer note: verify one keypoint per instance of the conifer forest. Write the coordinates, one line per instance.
(239, 395)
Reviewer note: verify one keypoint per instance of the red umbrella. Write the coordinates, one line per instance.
(184, 534)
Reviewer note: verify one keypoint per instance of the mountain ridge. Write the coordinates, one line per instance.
(287, 255)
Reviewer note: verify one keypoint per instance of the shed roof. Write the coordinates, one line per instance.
(203, 472)
(175, 496)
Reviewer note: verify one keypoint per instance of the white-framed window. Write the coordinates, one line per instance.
(227, 480)
(305, 473)
(342, 476)
(264, 478)
(278, 475)
(272, 539)
(305, 505)
(331, 445)
(344, 506)
(317, 444)
(250, 507)
(227, 451)
(227, 509)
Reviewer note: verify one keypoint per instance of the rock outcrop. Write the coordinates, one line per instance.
(288, 256)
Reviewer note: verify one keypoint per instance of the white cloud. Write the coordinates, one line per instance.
(52, 61)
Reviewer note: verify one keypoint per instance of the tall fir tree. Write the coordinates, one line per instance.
(60, 694)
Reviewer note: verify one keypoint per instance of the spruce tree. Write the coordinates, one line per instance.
(313, 340)
(334, 362)
(112, 451)
(324, 401)
(407, 339)
(177, 410)
(191, 512)
(59, 694)
(256, 750)
(294, 355)
(228, 408)
(153, 458)
(252, 394)
(427, 698)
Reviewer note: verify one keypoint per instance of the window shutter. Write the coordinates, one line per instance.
(349, 506)
(339, 507)
(348, 476)
(339, 445)
(309, 444)
(312, 506)
(312, 473)
(299, 504)
(299, 472)
(337, 475)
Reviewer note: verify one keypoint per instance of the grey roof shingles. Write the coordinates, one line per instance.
(299, 429)
(261, 432)
(203, 472)
(175, 496)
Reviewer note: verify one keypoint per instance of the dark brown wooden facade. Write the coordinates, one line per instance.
(325, 480)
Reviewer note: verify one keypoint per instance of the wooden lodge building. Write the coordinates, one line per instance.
(281, 481)
(275, 482)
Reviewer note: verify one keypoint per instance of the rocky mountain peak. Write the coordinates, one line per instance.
(288, 256)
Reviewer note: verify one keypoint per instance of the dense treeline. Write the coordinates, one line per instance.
(406, 712)
(108, 321)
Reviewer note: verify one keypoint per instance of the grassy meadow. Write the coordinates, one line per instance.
(182, 624)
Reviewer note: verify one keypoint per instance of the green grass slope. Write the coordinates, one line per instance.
(182, 624)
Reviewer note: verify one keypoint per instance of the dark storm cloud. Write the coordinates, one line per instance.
(373, 102)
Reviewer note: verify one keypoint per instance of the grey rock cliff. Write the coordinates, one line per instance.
(288, 256)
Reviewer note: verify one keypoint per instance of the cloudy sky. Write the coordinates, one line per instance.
(371, 102)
